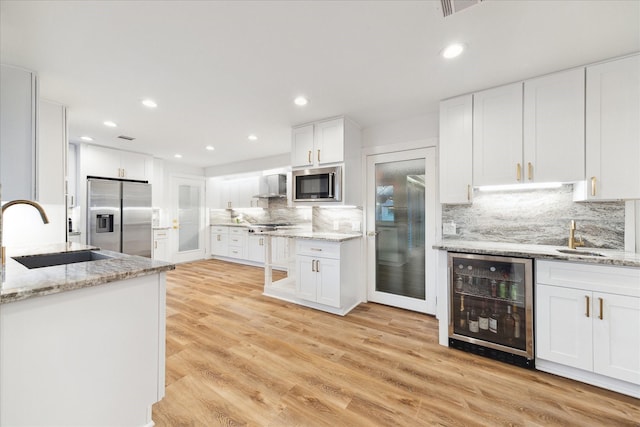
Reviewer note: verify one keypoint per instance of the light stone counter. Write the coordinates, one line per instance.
(313, 235)
(610, 257)
(19, 282)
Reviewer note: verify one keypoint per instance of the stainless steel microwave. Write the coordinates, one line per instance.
(317, 185)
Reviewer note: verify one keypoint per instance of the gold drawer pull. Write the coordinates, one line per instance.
(309, 157)
(593, 185)
(530, 171)
(518, 172)
(318, 156)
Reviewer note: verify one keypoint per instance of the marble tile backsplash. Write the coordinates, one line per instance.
(537, 217)
(337, 219)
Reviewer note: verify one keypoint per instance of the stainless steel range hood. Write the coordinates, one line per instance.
(273, 186)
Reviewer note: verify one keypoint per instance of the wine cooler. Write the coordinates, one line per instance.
(491, 310)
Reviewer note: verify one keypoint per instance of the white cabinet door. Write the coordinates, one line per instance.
(161, 245)
(302, 146)
(554, 127)
(564, 326)
(497, 136)
(72, 175)
(328, 281)
(101, 162)
(613, 130)
(616, 332)
(306, 278)
(18, 127)
(52, 151)
(219, 244)
(329, 141)
(133, 165)
(455, 149)
(255, 248)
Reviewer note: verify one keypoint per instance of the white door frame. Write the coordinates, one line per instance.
(400, 152)
(194, 255)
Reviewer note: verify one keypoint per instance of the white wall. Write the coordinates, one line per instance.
(22, 226)
(272, 162)
(407, 130)
(638, 226)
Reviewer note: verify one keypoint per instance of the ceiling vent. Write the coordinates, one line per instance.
(449, 7)
(125, 137)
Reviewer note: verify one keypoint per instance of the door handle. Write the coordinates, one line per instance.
(530, 171)
(309, 156)
(318, 156)
(518, 172)
(318, 266)
(601, 316)
(313, 265)
(372, 233)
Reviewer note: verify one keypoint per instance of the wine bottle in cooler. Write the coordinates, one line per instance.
(462, 315)
(516, 319)
(483, 317)
(494, 319)
(473, 320)
(508, 325)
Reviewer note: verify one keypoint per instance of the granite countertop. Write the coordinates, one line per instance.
(313, 235)
(19, 282)
(230, 224)
(611, 257)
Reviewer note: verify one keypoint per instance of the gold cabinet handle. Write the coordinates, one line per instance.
(309, 156)
(469, 192)
(588, 304)
(518, 172)
(318, 266)
(318, 156)
(593, 185)
(601, 313)
(530, 171)
(313, 265)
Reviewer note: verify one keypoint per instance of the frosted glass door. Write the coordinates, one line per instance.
(188, 220)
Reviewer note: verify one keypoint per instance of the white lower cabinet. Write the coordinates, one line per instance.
(161, 245)
(588, 321)
(237, 243)
(327, 273)
(219, 241)
(255, 248)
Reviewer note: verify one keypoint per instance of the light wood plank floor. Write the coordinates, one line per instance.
(235, 357)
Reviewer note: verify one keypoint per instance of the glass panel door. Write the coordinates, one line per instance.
(401, 206)
(189, 218)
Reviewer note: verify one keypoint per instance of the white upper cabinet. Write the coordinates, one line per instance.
(554, 127)
(455, 149)
(612, 131)
(108, 163)
(318, 143)
(497, 136)
(18, 104)
(302, 146)
(52, 153)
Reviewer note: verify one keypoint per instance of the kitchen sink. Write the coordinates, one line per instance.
(49, 260)
(579, 252)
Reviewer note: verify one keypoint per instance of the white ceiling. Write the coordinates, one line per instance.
(222, 70)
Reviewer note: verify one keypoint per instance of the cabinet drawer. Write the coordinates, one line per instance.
(239, 241)
(238, 231)
(318, 248)
(237, 252)
(592, 277)
(219, 229)
(160, 234)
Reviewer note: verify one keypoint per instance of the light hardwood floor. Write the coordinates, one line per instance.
(235, 357)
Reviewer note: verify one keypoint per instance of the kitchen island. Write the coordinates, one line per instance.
(323, 269)
(82, 343)
(586, 303)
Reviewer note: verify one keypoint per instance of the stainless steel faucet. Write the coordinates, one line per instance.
(43, 215)
(572, 236)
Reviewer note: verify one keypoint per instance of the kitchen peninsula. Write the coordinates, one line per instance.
(81, 343)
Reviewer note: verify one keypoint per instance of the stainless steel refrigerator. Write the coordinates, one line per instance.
(119, 216)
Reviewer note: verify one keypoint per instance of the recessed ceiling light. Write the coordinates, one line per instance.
(252, 137)
(210, 147)
(110, 124)
(177, 156)
(453, 50)
(301, 100)
(149, 103)
(86, 138)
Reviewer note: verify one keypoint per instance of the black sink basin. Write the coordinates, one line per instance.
(48, 260)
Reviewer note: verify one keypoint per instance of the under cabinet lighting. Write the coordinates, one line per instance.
(515, 187)
(110, 124)
(86, 138)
